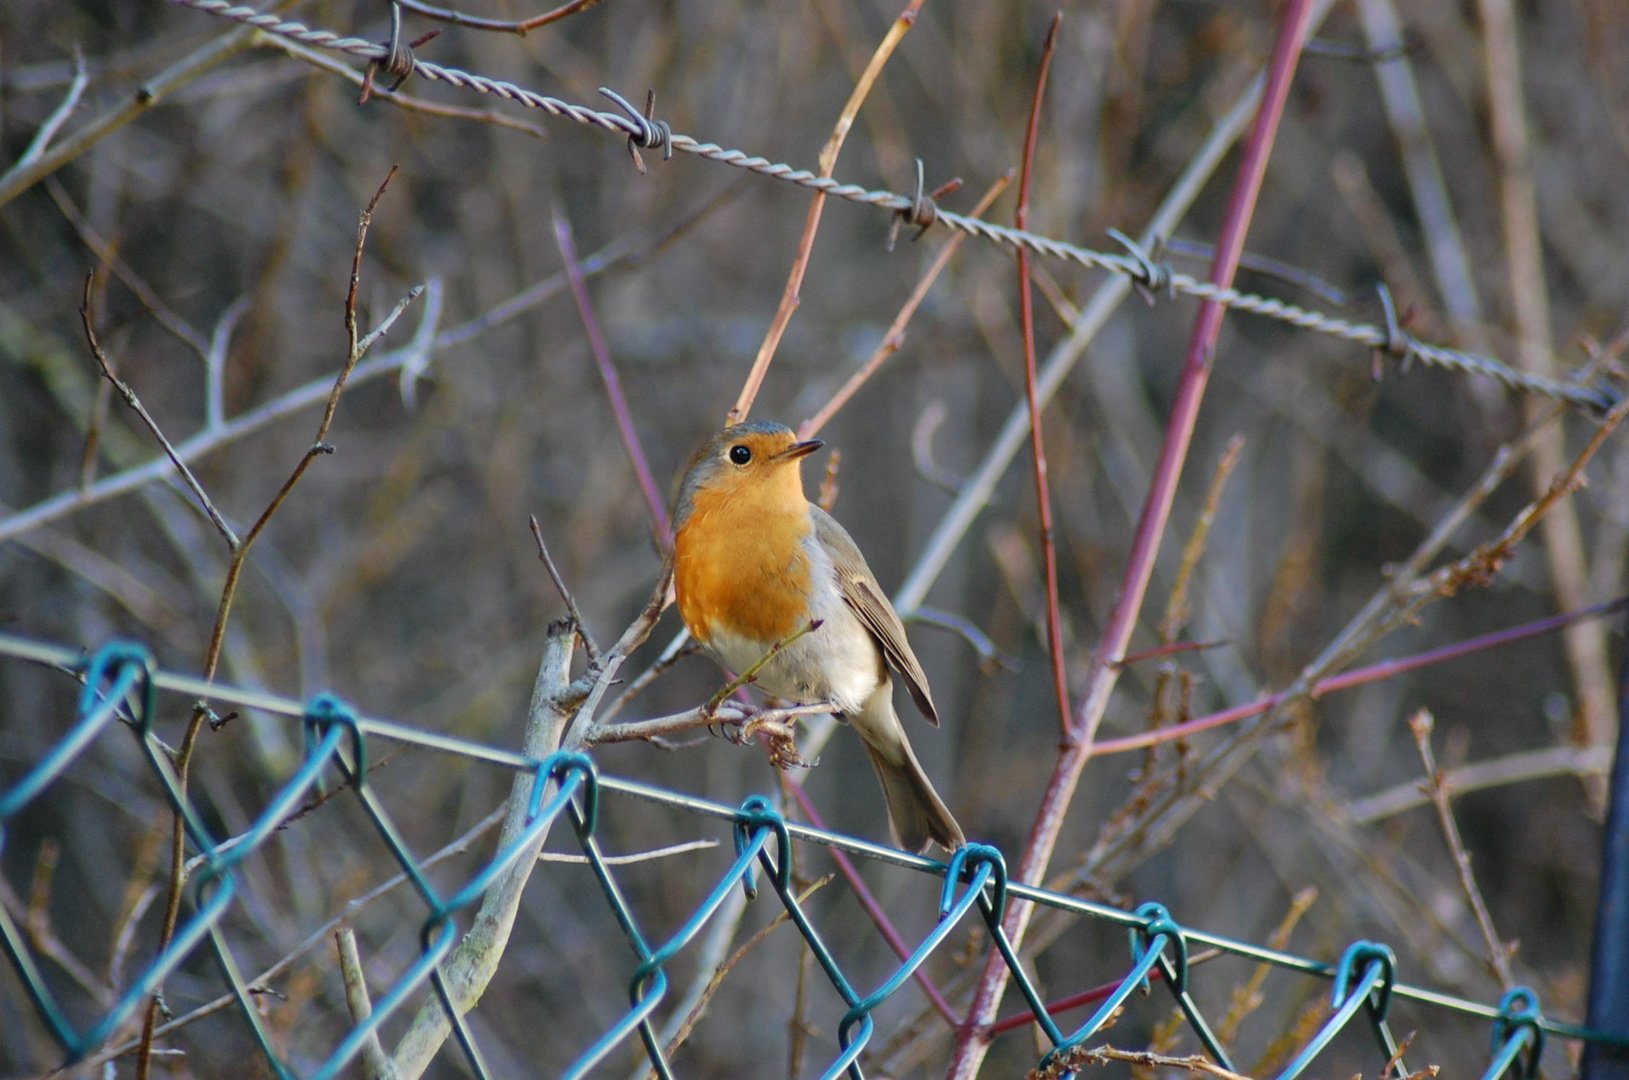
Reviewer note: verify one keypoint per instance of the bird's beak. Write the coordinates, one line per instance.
(799, 450)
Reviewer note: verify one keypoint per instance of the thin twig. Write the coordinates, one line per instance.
(654, 502)
(676, 650)
(25, 174)
(604, 673)
(35, 919)
(1541, 764)
(1563, 546)
(1444, 246)
(215, 363)
(894, 338)
(630, 859)
(370, 339)
(990, 657)
(928, 422)
(1177, 607)
(107, 255)
(59, 116)
(1246, 998)
(716, 979)
(1068, 1063)
(811, 223)
(1371, 673)
(89, 323)
(702, 716)
(750, 676)
(565, 594)
(1037, 441)
(504, 26)
(139, 893)
(1436, 786)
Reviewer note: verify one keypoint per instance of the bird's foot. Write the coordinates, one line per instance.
(780, 737)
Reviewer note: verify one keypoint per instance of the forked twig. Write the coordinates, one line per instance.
(130, 399)
(240, 554)
(1436, 787)
(565, 594)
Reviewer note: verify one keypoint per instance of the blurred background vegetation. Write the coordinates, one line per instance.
(401, 572)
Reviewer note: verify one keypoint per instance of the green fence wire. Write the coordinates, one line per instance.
(117, 701)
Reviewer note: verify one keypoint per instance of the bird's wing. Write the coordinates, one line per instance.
(864, 596)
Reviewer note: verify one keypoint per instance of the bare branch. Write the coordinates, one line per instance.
(506, 26)
(88, 322)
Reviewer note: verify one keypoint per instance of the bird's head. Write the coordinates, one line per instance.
(755, 464)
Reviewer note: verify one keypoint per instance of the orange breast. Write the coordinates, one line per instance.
(739, 566)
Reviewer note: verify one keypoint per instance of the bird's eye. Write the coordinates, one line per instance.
(740, 453)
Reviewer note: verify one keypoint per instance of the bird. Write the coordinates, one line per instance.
(755, 563)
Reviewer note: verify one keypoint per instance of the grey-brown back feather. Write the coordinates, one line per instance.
(863, 595)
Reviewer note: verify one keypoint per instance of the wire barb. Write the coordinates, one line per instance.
(398, 59)
(643, 130)
(648, 132)
(1399, 343)
(921, 212)
(1149, 277)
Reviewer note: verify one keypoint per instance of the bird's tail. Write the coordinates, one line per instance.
(915, 812)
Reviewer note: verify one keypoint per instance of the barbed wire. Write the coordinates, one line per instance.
(1153, 277)
(121, 680)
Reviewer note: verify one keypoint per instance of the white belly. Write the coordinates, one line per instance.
(838, 662)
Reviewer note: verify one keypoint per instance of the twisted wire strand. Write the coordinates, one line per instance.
(653, 134)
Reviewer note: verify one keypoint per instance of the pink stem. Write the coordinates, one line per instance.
(613, 385)
(1385, 669)
(972, 1040)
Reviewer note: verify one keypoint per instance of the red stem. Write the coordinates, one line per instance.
(1023, 1017)
(972, 1040)
(1385, 669)
(613, 385)
(851, 874)
(1037, 444)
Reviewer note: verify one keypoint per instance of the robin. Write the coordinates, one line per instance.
(755, 562)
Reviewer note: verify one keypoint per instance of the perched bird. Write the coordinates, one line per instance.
(755, 562)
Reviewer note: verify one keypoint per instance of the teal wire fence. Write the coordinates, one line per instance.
(117, 702)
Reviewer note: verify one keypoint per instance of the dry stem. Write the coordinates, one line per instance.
(1436, 786)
